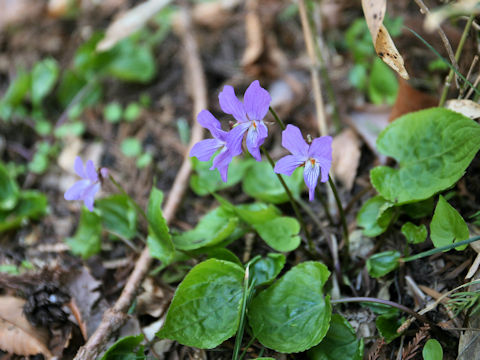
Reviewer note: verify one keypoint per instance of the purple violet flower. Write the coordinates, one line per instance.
(86, 188)
(249, 115)
(205, 149)
(316, 157)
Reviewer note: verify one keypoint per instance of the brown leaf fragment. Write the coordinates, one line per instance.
(374, 11)
(465, 107)
(17, 335)
(346, 156)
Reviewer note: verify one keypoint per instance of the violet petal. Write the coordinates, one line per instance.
(89, 195)
(293, 141)
(208, 121)
(76, 191)
(90, 171)
(78, 167)
(231, 105)
(310, 175)
(288, 164)
(257, 101)
(252, 143)
(204, 149)
(235, 137)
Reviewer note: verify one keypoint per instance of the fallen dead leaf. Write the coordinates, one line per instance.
(153, 300)
(17, 335)
(346, 156)
(129, 22)
(213, 14)
(374, 11)
(465, 107)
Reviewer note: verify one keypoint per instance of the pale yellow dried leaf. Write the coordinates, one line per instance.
(437, 16)
(374, 11)
(465, 107)
(346, 156)
(129, 22)
(17, 335)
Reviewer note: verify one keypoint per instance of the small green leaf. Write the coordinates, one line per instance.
(18, 89)
(382, 263)
(261, 183)
(87, 239)
(132, 112)
(382, 85)
(119, 216)
(113, 112)
(205, 181)
(340, 342)
(358, 76)
(44, 77)
(447, 226)
(75, 128)
(144, 160)
(432, 350)
(213, 228)
(159, 240)
(205, 310)
(41, 159)
(8, 189)
(433, 148)
(257, 213)
(281, 234)
(265, 270)
(387, 325)
(131, 147)
(126, 349)
(292, 315)
(414, 234)
(375, 216)
(30, 205)
(131, 62)
(221, 253)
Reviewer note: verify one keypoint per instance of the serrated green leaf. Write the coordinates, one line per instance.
(159, 240)
(281, 233)
(382, 263)
(292, 315)
(87, 239)
(205, 310)
(44, 77)
(261, 183)
(8, 189)
(414, 234)
(340, 342)
(265, 270)
(433, 148)
(213, 228)
(125, 348)
(447, 226)
(206, 181)
(119, 216)
(30, 205)
(432, 350)
(375, 216)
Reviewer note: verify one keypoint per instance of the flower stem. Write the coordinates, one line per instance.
(457, 58)
(292, 201)
(342, 217)
(247, 289)
(385, 302)
(440, 249)
(277, 119)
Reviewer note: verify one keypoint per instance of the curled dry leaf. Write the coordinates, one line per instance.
(374, 11)
(346, 156)
(463, 7)
(465, 107)
(17, 335)
(214, 14)
(130, 22)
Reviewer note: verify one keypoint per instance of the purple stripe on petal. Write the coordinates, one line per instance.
(252, 143)
(203, 150)
(76, 190)
(89, 195)
(231, 105)
(293, 141)
(256, 100)
(321, 148)
(310, 175)
(288, 164)
(78, 167)
(235, 137)
(90, 171)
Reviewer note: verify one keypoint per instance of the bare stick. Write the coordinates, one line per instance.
(114, 318)
(317, 90)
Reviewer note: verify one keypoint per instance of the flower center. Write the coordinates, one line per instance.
(312, 161)
(254, 125)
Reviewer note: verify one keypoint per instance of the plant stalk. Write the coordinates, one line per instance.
(440, 249)
(342, 218)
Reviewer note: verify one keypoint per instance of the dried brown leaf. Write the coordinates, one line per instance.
(129, 22)
(17, 335)
(346, 156)
(465, 107)
(374, 11)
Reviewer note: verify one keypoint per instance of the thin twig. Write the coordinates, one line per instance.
(469, 73)
(114, 318)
